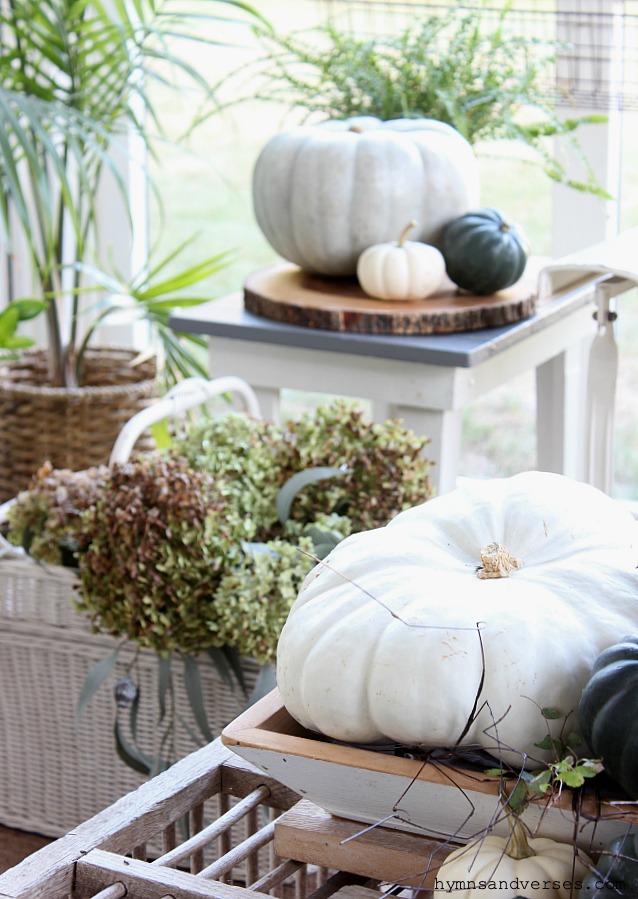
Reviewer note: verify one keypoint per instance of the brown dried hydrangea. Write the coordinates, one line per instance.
(160, 537)
(45, 519)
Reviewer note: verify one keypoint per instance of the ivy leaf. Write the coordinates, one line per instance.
(540, 782)
(551, 714)
(517, 799)
(575, 775)
(550, 744)
(573, 739)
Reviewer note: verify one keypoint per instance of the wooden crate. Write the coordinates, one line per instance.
(428, 797)
(232, 812)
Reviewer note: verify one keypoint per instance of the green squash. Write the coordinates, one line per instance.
(608, 712)
(616, 871)
(484, 252)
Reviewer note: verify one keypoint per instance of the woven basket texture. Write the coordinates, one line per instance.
(57, 771)
(70, 428)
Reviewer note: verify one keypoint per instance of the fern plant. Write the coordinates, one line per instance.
(464, 66)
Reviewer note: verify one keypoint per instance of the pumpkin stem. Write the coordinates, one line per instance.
(404, 234)
(517, 845)
(497, 562)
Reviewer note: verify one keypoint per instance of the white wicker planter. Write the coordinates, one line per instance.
(56, 771)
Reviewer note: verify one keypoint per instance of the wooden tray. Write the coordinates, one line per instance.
(433, 799)
(288, 294)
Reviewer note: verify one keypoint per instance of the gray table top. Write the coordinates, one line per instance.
(227, 317)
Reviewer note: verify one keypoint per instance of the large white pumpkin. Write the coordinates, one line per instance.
(391, 638)
(324, 193)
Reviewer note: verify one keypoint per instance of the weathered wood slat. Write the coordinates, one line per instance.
(213, 830)
(309, 834)
(125, 824)
(143, 881)
(240, 853)
(276, 876)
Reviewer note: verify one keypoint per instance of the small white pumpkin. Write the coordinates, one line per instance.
(463, 617)
(405, 270)
(509, 867)
(323, 193)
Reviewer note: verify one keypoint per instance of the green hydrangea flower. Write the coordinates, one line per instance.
(388, 470)
(161, 539)
(254, 598)
(248, 457)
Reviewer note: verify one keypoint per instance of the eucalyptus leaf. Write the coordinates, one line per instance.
(96, 677)
(546, 743)
(219, 659)
(298, 481)
(163, 682)
(28, 309)
(324, 541)
(265, 683)
(192, 733)
(193, 684)
(234, 660)
(130, 755)
(133, 713)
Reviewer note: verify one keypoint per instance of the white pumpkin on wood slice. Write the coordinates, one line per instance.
(323, 193)
(464, 617)
(405, 270)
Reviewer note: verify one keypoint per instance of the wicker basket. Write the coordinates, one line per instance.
(57, 771)
(71, 428)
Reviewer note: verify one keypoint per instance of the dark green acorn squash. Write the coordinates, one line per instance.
(483, 252)
(608, 712)
(616, 871)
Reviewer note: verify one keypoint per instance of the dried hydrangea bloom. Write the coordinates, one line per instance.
(46, 518)
(161, 537)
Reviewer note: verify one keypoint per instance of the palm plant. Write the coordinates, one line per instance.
(76, 79)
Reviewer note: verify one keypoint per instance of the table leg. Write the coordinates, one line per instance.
(443, 427)
(269, 400)
(561, 390)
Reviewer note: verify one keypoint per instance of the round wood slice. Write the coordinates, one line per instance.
(288, 294)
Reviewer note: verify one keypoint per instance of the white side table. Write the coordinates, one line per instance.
(427, 380)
